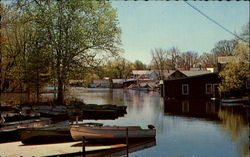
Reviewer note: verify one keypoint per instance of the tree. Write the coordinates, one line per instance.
(188, 60)
(16, 35)
(76, 31)
(159, 61)
(245, 34)
(138, 65)
(236, 72)
(225, 47)
(118, 68)
(174, 55)
(207, 60)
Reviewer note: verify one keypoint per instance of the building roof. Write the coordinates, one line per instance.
(195, 72)
(195, 76)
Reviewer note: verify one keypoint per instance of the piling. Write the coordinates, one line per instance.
(83, 147)
(127, 146)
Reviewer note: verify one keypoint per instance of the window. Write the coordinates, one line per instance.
(185, 89)
(209, 88)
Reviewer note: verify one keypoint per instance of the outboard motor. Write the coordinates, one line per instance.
(151, 126)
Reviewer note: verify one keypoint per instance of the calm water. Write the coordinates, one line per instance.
(184, 128)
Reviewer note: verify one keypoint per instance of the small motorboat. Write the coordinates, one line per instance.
(110, 132)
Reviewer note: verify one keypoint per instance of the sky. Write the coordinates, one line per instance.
(147, 25)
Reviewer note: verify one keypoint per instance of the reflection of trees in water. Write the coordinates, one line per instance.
(22, 98)
(236, 126)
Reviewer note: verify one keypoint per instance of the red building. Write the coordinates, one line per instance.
(195, 87)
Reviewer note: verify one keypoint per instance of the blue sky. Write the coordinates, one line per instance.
(162, 24)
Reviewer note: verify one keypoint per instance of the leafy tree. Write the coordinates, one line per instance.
(138, 65)
(17, 33)
(76, 32)
(118, 68)
(236, 73)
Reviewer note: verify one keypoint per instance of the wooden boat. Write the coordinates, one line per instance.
(49, 134)
(10, 131)
(110, 132)
(45, 135)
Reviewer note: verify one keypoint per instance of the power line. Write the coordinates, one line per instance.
(214, 21)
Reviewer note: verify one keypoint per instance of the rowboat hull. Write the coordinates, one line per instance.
(45, 135)
(50, 134)
(10, 131)
(110, 132)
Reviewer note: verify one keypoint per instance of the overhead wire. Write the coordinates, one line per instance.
(209, 18)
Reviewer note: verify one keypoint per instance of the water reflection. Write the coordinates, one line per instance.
(232, 119)
(184, 127)
(193, 108)
(235, 124)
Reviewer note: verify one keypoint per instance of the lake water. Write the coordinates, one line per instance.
(196, 128)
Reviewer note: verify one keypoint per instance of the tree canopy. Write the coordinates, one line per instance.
(73, 33)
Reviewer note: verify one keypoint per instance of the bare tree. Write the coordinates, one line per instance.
(188, 60)
(159, 61)
(207, 60)
(174, 54)
(225, 47)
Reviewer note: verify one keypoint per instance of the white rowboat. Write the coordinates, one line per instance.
(110, 132)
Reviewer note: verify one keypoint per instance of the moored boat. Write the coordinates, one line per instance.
(49, 134)
(9, 131)
(45, 135)
(235, 100)
(110, 132)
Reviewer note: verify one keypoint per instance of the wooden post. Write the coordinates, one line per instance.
(127, 141)
(83, 147)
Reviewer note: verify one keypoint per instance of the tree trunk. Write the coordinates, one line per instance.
(37, 85)
(60, 82)
(60, 98)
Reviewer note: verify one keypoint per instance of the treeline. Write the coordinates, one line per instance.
(234, 74)
(45, 41)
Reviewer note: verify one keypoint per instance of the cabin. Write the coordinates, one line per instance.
(203, 86)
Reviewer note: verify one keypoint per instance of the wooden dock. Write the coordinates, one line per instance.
(14, 149)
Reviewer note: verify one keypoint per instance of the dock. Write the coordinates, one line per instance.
(14, 149)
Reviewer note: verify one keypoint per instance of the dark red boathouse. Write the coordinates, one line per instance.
(195, 87)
